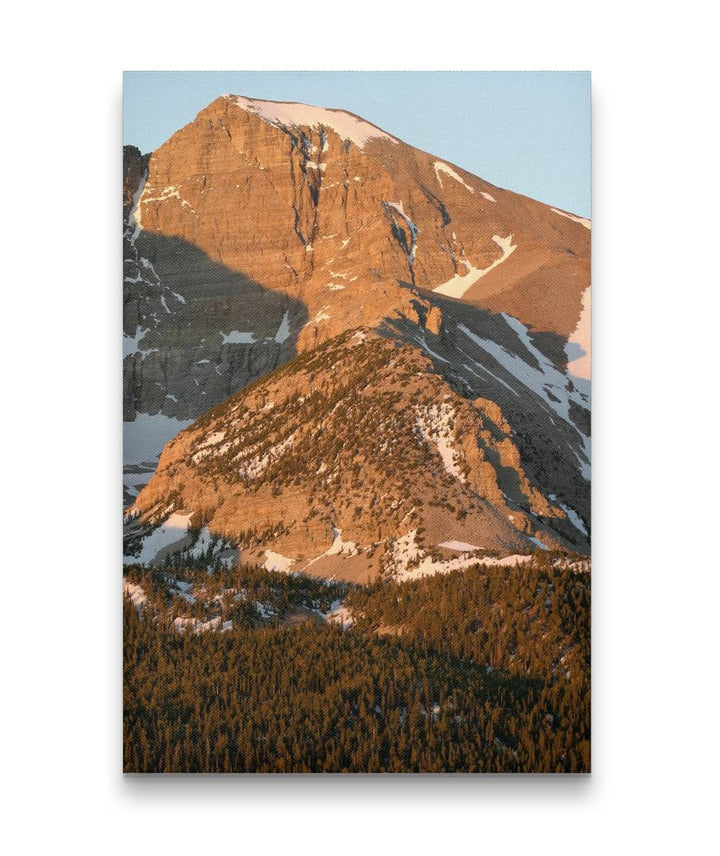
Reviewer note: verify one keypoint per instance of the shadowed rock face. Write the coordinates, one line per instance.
(262, 230)
(493, 356)
(195, 332)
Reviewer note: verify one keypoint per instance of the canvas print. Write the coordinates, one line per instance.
(356, 393)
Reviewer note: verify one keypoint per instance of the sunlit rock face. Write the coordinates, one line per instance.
(263, 230)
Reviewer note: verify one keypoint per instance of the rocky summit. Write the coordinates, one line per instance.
(359, 358)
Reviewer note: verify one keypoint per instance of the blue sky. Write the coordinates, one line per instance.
(525, 131)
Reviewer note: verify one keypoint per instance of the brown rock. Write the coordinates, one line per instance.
(434, 320)
(354, 441)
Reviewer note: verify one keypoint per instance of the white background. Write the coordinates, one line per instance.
(655, 516)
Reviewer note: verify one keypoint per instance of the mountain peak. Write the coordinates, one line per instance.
(292, 114)
(260, 231)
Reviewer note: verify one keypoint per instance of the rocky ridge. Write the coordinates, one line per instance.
(353, 459)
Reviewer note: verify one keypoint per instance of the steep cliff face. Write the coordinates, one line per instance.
(323, 206)
(194, 330)
(262, 230)
(354, 459)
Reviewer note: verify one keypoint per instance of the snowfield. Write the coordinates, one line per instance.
(459, 546)
(320, 316)
(294, 115)
(278, 562)
(546, 381)
(215, 438)
(173, 530)
(135, 481)
(410, 562)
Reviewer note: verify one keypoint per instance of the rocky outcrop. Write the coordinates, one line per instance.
(134, 171)
(433, 324)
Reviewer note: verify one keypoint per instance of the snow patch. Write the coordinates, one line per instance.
(294, 115)
(435, 424)
(397, 207)
(264, 609)
(184, 589)
(339, 614)
(173, 530)
(582, 220)
(197, 626)
(337, 548)
(131, 344)
(459, 546)
(409, 561)
(203, 543)
(136, 594)
(340, 546)
(321, 316)
(487, 196)
(163, 194)
(443, 167)
(283, 332)
(135, 211)
(278, 562)
(257, 465)
(237, 337)
(133, 482)
(574, 518)
(458, 285)
(580, 339)
(215, 438)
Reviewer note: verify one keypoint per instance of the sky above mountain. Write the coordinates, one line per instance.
(525, 131)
